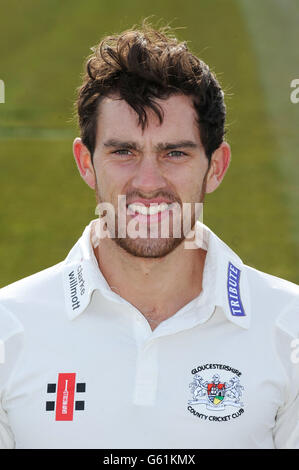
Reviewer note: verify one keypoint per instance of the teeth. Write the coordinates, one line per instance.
(151, 210)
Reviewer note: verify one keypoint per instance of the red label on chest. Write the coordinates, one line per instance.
(65, 397)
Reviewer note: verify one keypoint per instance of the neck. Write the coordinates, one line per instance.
(157, 287)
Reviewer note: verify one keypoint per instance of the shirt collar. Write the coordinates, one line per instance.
(224, 285)
(225, 282)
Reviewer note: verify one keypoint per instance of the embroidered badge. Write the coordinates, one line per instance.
(233, 291)
(215, 392)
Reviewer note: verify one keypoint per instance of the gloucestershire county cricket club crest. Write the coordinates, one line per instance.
(215, 390)
(214, 393)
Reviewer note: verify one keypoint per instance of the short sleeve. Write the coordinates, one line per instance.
(286, 430)
(11, 344)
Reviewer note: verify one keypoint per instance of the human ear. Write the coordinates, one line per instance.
(218, 166)
(84, 162)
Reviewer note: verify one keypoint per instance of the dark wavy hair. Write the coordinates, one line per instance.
(144, 64)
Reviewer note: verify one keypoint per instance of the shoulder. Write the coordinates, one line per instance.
(29, 308)
(33, 293)
(275, 298)
(267, 283)
(44, 280)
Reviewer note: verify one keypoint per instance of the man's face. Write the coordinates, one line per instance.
(165, 163)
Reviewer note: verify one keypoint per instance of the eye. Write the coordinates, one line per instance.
(176, 154)
(122, 152)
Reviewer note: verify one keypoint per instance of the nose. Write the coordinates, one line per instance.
(148, 177)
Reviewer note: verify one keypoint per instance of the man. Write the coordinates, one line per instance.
(149, 334)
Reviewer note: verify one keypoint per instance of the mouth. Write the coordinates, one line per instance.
(152, 209)
(149, 214)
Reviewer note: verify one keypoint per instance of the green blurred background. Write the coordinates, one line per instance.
(249, 44)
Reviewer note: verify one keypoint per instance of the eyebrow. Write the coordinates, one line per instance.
(130, 145)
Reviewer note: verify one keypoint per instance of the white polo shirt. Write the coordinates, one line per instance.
(81, 367)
